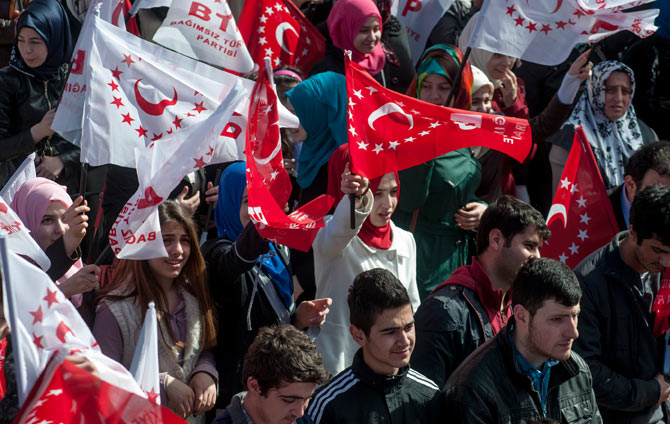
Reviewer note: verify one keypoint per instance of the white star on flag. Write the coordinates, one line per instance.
(372, 89)
(277, 61)
(422, 133)
(261, 29)
(393, 144)
(574, 248)
(268, 52)
(582, 235)
(363, 145)
(262, 41)
(378, 148)
(435, 124)
(574, 189)
(565, 183)
(584, 218)
(269, 11)
(581, 202)
(351, 103)
(563, 257)
(352, 130)
(358, 94)
(263, 19)
(409, 139)
(278, 7)
(273, 174)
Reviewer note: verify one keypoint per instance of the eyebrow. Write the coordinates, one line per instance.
(397, 327)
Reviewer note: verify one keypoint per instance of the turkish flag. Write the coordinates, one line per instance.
(68, 394)
(546, 31)
(581, 219)
(278, 30)
(268, 183)
(389, 131)
(3, 381)
(661, 306)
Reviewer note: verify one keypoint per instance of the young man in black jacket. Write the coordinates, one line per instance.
(379, 387)
(620, 282)
(528, 372)
(281, 370)
(473, 305)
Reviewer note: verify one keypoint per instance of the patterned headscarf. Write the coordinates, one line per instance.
(613, 142)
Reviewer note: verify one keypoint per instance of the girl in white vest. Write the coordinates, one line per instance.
(187, 329)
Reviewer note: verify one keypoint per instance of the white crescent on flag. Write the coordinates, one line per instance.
(386, 109)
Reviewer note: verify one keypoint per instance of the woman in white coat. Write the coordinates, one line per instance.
(341, 253)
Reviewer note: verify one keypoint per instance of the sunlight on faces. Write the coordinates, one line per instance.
(498, 64)
(369, 36)
(435, 89)
(481, 100)
(651, 177)
(178, 245)
(32, 47)
(551, 331)
(651, 255)
(281, 405)
(390, 343)
(618, 91)
(52, 226)
(386, 200)
(516, 252)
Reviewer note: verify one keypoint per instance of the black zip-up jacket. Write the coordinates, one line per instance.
(23, 102)
(615, 335)
(359, 395)
(489, 387)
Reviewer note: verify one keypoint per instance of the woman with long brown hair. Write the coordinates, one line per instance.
(187, 322)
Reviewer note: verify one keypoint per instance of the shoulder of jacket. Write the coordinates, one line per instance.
(419, 382)
(337, 388)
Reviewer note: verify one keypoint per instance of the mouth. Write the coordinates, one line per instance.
(174, 263)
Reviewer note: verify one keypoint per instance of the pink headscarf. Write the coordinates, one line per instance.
(345, 21)
(31, 202)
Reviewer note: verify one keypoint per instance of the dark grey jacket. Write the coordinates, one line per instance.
(489, 387)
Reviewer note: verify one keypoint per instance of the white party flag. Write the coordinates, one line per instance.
(24, 173)
(18, 238)
(144, 366)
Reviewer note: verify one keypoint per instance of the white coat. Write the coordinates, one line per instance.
(339, 256)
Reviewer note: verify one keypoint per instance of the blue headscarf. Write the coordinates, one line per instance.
(49, 20)
(320, 103)
(227, 216)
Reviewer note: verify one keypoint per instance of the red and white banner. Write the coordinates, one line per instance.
(278, 30)
(24, 173)
(205, 30)
(419, 17)
(389, 131)
(3, 356)
(18, 236)
(268, 182)
(68, 394)
(581, 219)
(546, 31)
(44, 322)
(136, 233)
(144, 366)
(661, 306)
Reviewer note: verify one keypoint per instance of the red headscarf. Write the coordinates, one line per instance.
(344, 23)
(375, 237)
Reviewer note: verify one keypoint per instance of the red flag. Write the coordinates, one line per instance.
(3, 381)
(278, 30)
(268, 183)
(661, 306)
(66, 393)
(581, 219)
(390, 132)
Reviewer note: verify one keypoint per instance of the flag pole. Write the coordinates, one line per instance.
(82, 179)
(210, 208)
(11, 314)
(352, 198)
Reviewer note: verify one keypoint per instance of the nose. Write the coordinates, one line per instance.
(665, 260)
(571, 329)
(177, 250)
(299, 410)
(61, 227)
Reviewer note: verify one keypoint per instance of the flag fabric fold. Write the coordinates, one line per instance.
(136, 232)
(144, 366)
(545, 32)
(205, 30)
(581, 218)
(389, 131)
(277, 29)
(268, 182)
(24, 173)
(18, 236)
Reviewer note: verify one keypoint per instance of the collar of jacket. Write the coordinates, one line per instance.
(379, 382)
(615, 266)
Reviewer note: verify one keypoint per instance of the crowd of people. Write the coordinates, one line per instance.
(428, 307)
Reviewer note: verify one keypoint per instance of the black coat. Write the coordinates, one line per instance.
(23, 102)
(489, 387)
(615, 335)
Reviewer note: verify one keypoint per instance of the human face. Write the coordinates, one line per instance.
(551, 332)
(649, 256)
(32, 47)
(369, 35)
(390, 343)
(516, 252)
(481, 100)
(618, 90)
(244, 209)
(498, 64)
(386, 200)
(178, 245)
(281, 405)
(435, 89)
(281, 94)
(52, 226)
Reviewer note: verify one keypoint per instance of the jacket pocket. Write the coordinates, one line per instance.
(578, 413)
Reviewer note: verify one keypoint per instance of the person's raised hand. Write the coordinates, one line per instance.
(84, 280)
(352, 183)
(312, 313)
(212, 193)
(77, 221)
(191, 204)
(469, 216)
(50, 167)
(580, 68)
(509, 88)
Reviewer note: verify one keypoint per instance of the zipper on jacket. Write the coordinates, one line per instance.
(47, 144)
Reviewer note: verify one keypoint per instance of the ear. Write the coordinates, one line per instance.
(630, 187)
(632, 236)
(496, 240)
(521, 316)
(358, 335)
(252, 386)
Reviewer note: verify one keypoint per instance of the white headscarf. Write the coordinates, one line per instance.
(479, 80)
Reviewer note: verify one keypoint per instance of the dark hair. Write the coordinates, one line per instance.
(541, 279)
(283, 354)
(654, 156)
(650, 214)
(287, 79)
(511, 216)
(372, 293)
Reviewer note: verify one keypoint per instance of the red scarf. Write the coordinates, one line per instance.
(375, 237)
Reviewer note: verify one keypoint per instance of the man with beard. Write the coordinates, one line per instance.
(473, 305)
(528, 372)
(620, 282)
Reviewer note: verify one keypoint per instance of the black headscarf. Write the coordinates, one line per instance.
(50, 21)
